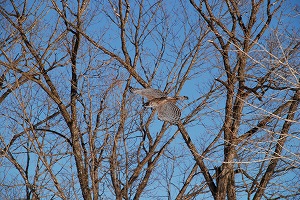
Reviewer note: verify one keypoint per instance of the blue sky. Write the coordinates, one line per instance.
(173, 30)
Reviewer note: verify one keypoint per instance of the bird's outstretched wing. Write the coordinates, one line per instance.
(149, 93)
(169, 112)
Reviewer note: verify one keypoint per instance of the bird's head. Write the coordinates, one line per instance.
(150, 104)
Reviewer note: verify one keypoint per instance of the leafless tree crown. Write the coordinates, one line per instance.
(71, 129)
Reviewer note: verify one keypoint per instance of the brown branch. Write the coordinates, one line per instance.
(16, 136)
(10, 157)
(123, 20)
(198, 158)
(268, 21)
(149, 156)
(263, 122)
(113, 160)
(279, 147)
(151, 164)
(187, 182)
(125, 64)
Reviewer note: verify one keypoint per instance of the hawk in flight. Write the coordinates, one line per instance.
(165, 106)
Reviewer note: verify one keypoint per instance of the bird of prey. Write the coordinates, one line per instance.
(165, 106)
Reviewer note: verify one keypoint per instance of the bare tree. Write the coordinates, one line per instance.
(72, 129)
(237, 32)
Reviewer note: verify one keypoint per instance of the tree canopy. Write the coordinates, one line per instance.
(71, 128)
